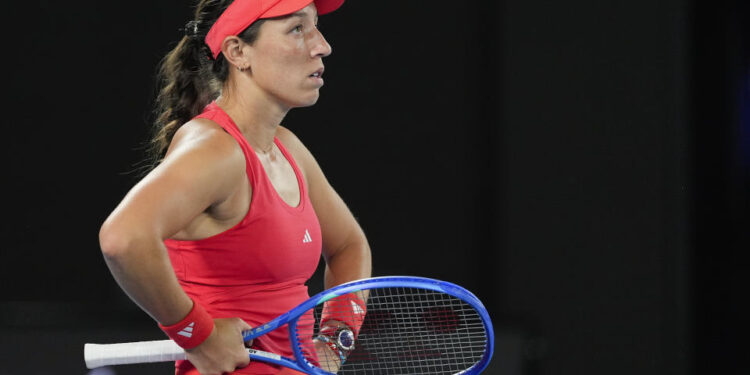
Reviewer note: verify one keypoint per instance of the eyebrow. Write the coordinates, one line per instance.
(300, 14)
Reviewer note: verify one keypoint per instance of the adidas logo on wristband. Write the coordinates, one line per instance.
(187, 331)
(192, 330)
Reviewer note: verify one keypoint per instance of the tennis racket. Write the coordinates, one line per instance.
(412, 325)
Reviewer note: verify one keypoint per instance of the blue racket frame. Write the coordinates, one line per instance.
(299, 363)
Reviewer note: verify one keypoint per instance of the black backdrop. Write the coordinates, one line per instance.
(576, 164)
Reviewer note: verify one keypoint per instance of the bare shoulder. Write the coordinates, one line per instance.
(290, 140)
(202, 153)
(298, 150)
(205, 138)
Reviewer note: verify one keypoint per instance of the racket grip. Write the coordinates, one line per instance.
(98, 355)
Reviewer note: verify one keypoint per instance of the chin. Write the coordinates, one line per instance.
(306, 102)
(311, 102)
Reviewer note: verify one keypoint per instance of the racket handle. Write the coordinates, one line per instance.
(98, 355)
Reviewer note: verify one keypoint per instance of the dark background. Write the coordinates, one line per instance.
(583, 166)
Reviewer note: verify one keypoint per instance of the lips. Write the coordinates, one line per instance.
(318, 73)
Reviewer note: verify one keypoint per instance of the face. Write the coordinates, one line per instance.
(286, 60)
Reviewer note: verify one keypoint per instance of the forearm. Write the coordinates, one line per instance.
(351, 262)
(143, 271)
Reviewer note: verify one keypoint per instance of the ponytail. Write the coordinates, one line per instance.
(185, 90)
(189, 78)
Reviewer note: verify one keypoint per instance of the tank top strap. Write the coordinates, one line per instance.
(263, 191)
(297, 173)
(214, 113)
(253, 167)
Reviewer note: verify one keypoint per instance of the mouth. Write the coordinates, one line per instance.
(318, 73)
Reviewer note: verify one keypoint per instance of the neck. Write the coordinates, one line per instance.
(256, 114)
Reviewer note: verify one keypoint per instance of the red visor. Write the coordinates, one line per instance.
(242, 13)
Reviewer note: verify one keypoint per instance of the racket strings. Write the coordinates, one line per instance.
(407, 331)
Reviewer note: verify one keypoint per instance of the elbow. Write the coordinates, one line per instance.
(362, 250)
(367, 261)
(365, 248)
(117, 241)
(112, 241)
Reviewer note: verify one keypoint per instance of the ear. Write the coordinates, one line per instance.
(235, 52)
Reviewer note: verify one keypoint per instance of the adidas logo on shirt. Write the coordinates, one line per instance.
(187, 331)
(307, 238)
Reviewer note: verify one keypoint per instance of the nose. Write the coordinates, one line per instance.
(320, 46)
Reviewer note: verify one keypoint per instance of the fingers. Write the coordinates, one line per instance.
(223, 351)
(243, 358)
(244, 327)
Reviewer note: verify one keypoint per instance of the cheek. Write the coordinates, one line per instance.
(281, 62)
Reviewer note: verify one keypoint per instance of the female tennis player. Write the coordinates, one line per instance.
(225, 230)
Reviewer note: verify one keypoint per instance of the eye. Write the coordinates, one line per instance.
(297, 29)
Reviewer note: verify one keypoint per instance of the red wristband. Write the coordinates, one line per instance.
(349, 309)
(192, 330)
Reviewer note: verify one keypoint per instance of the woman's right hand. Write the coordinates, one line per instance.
(224, 349)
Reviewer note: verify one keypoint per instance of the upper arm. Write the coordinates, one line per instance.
(203, 166)
(339, 227)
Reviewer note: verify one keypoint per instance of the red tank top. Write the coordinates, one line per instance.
(257, 269)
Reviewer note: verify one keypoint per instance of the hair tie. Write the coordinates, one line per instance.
(191, 29)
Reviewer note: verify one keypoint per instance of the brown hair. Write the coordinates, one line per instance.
(189, 78)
